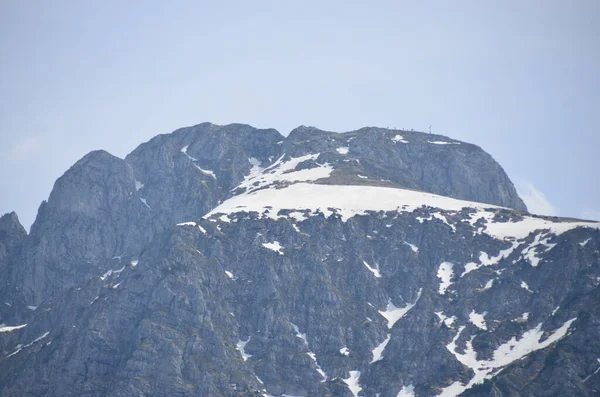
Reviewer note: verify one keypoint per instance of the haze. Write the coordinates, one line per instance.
(520, 79)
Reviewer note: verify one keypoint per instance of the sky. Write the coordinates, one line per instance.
(518, 78)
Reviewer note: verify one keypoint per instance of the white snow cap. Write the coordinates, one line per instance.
(281, 187)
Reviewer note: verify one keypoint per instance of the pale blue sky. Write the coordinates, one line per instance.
(519, 78)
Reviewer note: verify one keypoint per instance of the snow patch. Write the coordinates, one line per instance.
(282, 171)
(525, 286)
(523, 228)
(504, 355)
(406, 391)
(469, 267)
(342, 150)
(583, 243)
(138, 185)
(444, 143)
(412, 246)
(8, 328)
(478, 320)
(143, 200)
(392, 313)
(255, 163)
(436, 215)
(378, 351)
(399, 138)
(488, 285)
(111, 272)
(229, 274)
(299, 334)
(184, 151)
(186, 224)
(445, 274)
(318, 367)
(274, 246)
(224, 218)
(523, 318)
(206, 172)
(530, 253)
(448, 321)
(594, 373)
(345, 351)
(240, 346)
(442, 218)
(353, 382)
(374, 270)
(21, 347)
(486, 260)
(254, 173)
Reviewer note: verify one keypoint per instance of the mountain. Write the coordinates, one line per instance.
(233, 261)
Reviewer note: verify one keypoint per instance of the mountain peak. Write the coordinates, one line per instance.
(229, 260)
(409, 159)
(9, 223)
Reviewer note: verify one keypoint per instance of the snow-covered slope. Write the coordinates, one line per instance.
(287, 190)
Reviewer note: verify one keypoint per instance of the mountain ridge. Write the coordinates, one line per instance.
(226, 260)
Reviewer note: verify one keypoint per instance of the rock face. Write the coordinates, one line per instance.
(414, 160)
(12, 237)
(104, 208)
(231, 261)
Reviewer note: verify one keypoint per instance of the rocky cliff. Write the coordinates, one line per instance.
(227, 261)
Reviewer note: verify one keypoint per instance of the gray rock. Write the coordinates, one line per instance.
(409, 159)
(127, 303)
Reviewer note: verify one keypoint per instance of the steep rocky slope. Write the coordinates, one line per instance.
(226, 260)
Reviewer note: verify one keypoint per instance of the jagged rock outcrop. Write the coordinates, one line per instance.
(12, 236)
(104, 208)
(82, 224)
(190, 171)
(227, 261)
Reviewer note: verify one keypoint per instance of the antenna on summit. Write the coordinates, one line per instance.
(430, 128)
